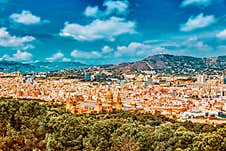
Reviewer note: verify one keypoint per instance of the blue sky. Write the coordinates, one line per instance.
(110, 31)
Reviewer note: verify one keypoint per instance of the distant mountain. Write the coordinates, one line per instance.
(171, 64)
(56, 66)
(164, 63)
(11, 66)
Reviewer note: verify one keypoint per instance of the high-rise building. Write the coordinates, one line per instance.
(202, 78)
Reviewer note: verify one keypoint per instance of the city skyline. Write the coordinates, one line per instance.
(110, 31)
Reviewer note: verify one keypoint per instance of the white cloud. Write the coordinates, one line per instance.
(222, 34)
(198, 22)
(85, 55)
(190, 46)
(7, 40)
(56, 57)
(112, 7)
(193, 43)
(118, 7)
(26, 18)
(107, 49)
(193, 46)
(18, 56)
(196, 2)
(91, 11)
(22, 55)
(99, 29)
(135, 49)
(66, 59)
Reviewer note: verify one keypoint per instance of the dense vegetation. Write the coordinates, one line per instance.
(28, 125)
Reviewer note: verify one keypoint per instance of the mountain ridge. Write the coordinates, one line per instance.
(12, 66)
(173, 64)
(162, 63)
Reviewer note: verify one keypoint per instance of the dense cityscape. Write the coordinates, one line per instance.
(201, 98)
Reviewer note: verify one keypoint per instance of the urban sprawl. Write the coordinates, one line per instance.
(199, 98)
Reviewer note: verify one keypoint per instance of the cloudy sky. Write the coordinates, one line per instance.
(110, 31)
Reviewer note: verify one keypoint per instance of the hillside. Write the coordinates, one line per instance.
(165, 63)
(174, 64)
(11, 66)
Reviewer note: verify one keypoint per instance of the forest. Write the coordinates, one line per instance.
(33, 125)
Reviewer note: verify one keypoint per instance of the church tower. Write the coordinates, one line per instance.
(90, 96)
(99, 107)
(109, 97)
(118, 104)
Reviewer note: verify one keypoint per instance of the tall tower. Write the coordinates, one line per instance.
(90, 96)
(99, 107)
(118, 104)
(109, 97)
(201, 79)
